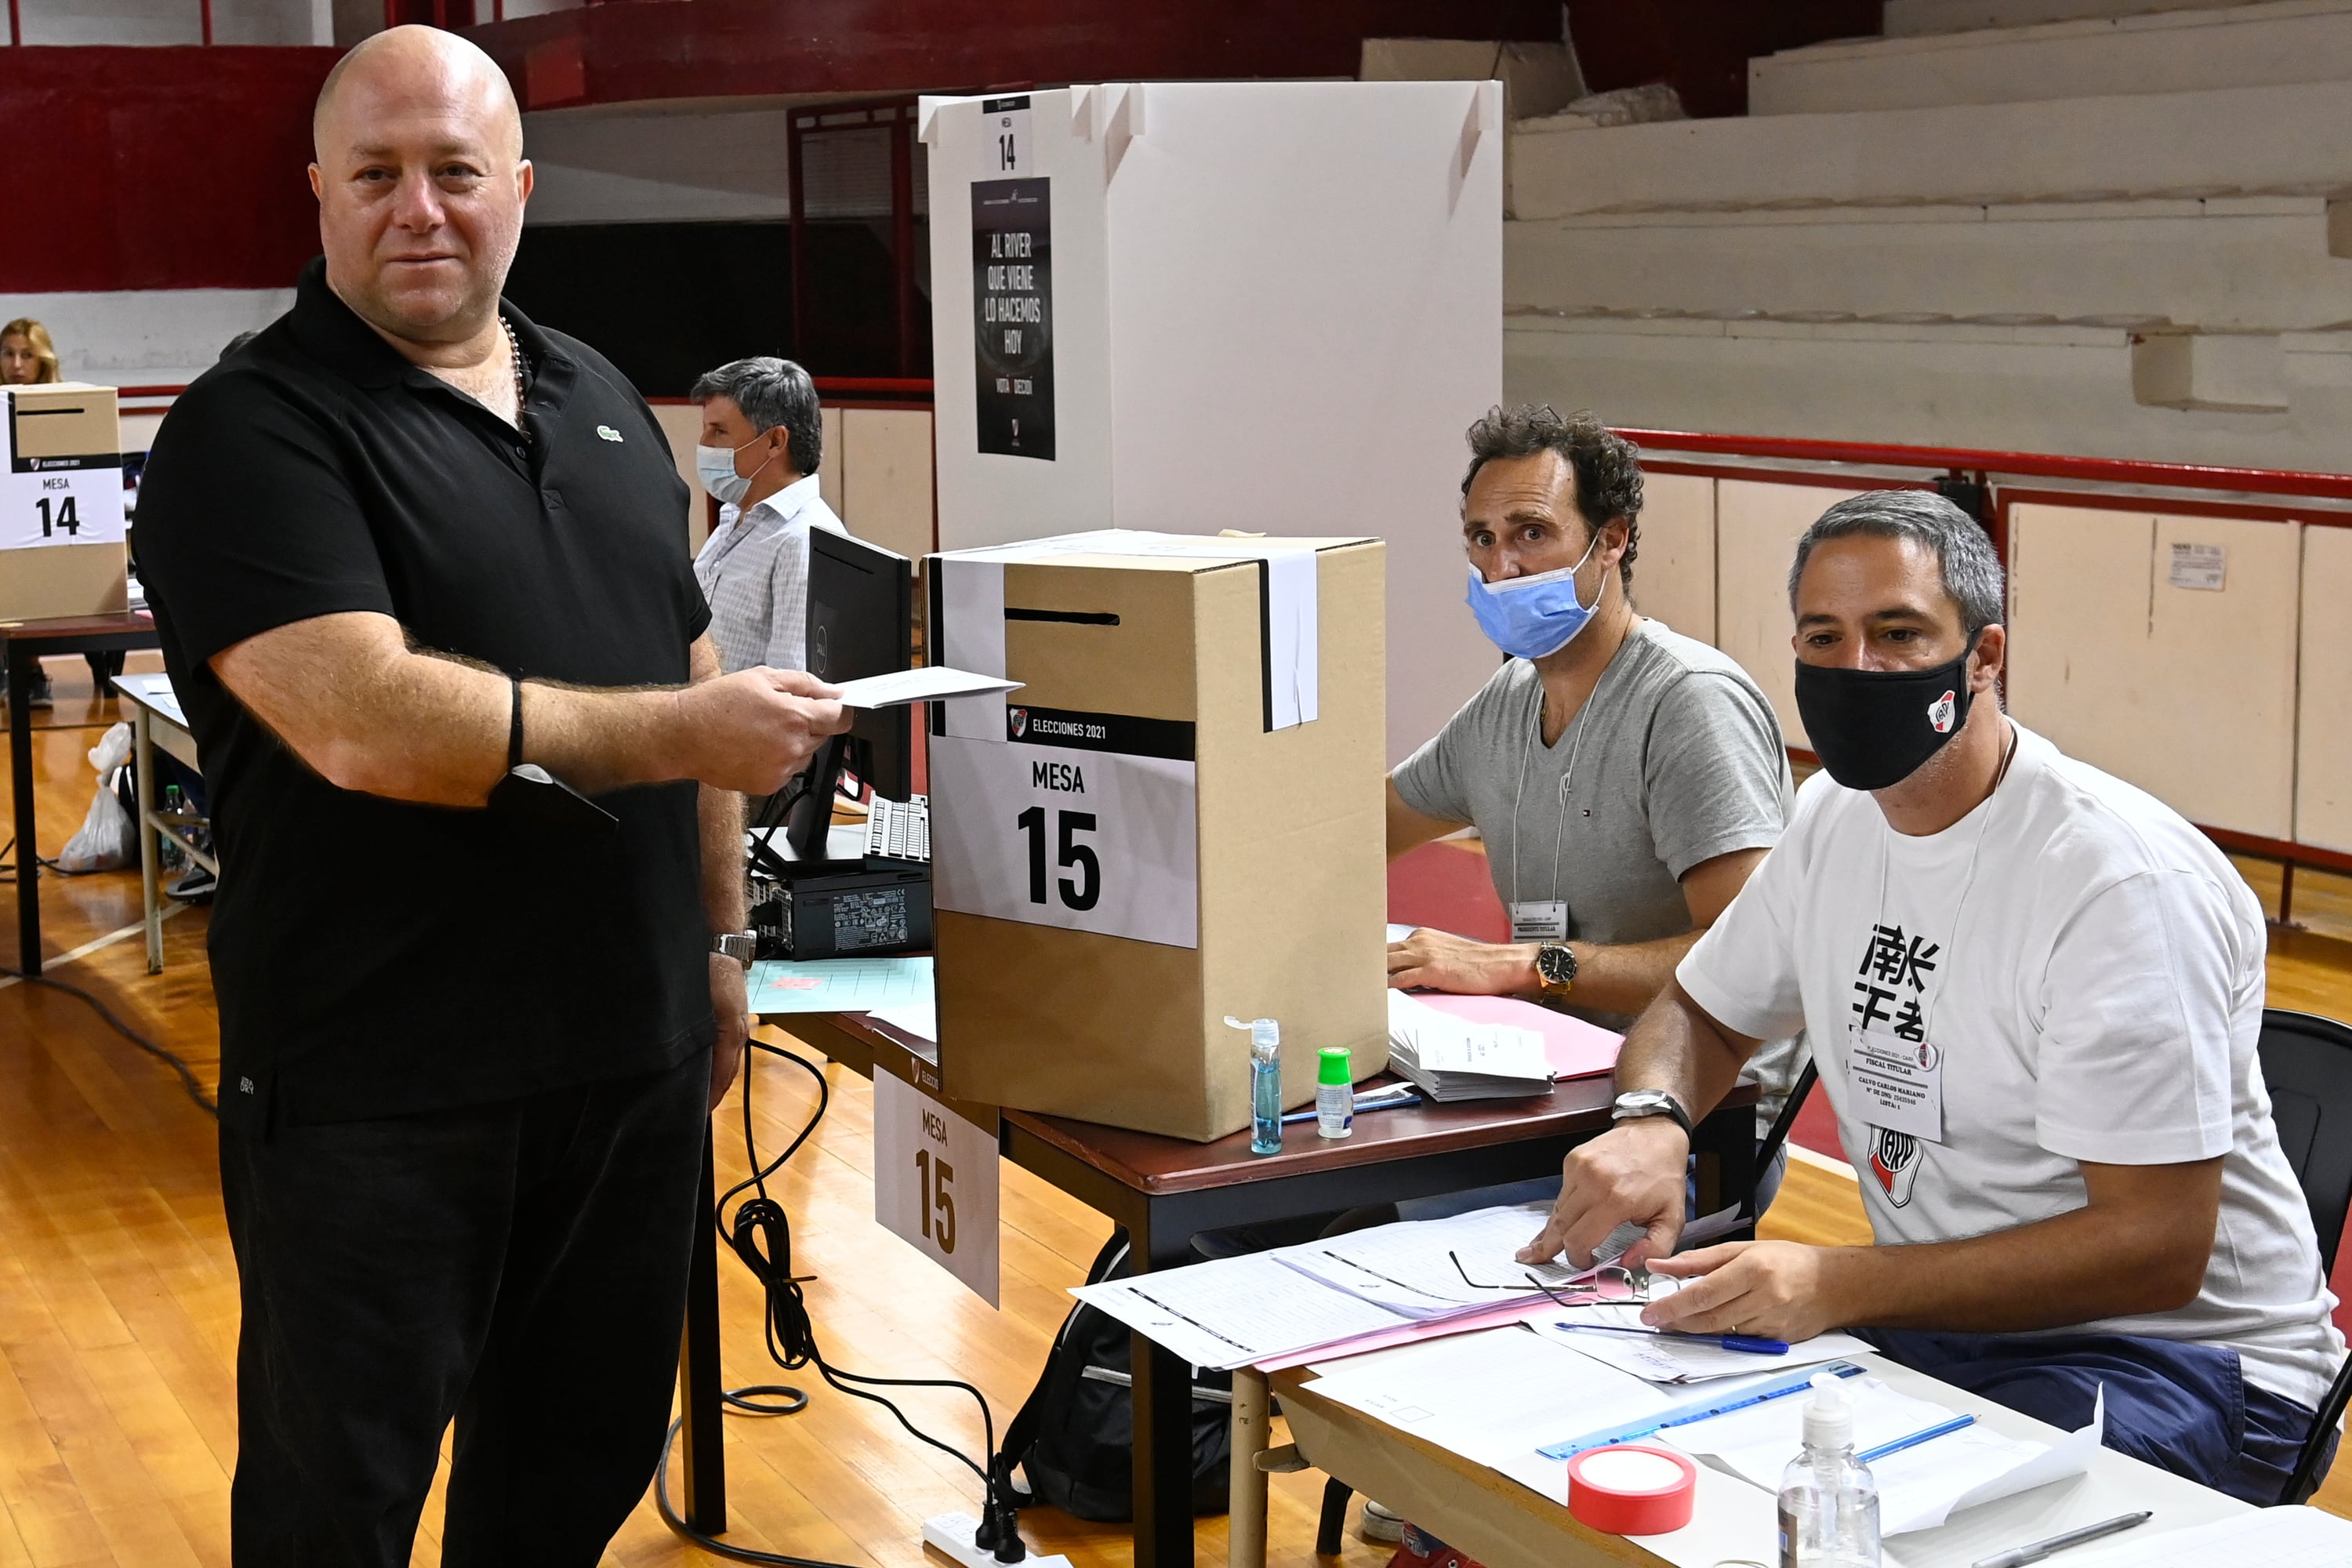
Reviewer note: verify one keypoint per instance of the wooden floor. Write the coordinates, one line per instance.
(118, 1300)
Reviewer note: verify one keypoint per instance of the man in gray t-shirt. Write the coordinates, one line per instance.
(1625, 778)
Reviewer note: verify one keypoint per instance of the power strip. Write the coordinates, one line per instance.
(949, 1536)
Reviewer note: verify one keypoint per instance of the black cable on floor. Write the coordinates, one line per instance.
(761, 1235)
(189, 1084)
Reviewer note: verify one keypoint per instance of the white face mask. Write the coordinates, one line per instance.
(715, 466)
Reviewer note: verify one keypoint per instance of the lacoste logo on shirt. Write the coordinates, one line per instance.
(607, 432)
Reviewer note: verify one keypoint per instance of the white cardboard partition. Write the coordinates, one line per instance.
(2323, 790)
(2123, 655)
(1674, 577)
(1758, 524)
(1271, 306)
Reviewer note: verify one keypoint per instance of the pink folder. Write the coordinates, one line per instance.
(1576, 1049)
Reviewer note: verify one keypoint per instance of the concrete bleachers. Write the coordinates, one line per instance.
(2108, 255)
(2268, 45)
(2224, 262)
(1913, 18)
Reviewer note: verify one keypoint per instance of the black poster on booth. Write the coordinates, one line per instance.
(1013, 316)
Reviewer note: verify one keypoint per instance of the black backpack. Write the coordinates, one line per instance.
(1075, 1435)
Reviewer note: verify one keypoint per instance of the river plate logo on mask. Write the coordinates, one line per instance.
(1940, 711)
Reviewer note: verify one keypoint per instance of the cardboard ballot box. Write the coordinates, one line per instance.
(1178, 817)
(61, 530)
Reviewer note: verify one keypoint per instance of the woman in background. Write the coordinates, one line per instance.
(27, 358)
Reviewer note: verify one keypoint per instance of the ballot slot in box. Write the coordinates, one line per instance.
(1177, 817)
(63, 546)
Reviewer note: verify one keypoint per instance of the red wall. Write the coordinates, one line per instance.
(615, 53)
(157, 168)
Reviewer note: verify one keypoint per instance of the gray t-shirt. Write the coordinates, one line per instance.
(1676, 758)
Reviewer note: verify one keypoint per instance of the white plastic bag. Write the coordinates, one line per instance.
(108, 839)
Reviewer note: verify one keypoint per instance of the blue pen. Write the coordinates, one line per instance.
(1701, 1410)
(1749, 1344)
(1913, 1441)
(1380, 1100)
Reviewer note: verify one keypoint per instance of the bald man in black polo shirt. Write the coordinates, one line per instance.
(404, 541)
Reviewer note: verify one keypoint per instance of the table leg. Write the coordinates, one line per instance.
(22, 669)
(1245, 1525)
(143, 766)
(1162, 1416)
(703, 1458)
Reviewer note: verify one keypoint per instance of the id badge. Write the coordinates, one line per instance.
(1544, 921)
(1896, 1084)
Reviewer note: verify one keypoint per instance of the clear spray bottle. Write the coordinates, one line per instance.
(1828, 1500)
(1265, 1083)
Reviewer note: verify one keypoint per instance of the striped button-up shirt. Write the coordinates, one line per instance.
(754, 572)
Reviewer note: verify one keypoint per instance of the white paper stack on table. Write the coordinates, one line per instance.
(1412, 1280)
(1450, 1058)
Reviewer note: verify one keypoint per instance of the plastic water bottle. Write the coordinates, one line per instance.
(1829, 1500)
(1265, 1083)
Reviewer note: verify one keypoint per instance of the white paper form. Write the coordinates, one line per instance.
(1663, 1358)
(1438, 1042)
(2272, 1537)
(838, 984)
(930, 683)
(1411, 1268)
(1493, 1396)
(1233, 1312)
(1919, 1488)
(921, 1020)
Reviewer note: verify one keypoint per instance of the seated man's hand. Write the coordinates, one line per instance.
(1633, 1171)
(1439, 960)
(1774, 1290)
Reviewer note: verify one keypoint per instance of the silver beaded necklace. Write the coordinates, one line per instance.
(514, 348)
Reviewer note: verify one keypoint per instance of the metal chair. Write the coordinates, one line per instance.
(2308, 1063)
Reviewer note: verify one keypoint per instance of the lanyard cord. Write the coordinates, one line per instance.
(1968, 881)
(1527, 747)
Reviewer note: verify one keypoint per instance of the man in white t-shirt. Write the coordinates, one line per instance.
(2034, 994)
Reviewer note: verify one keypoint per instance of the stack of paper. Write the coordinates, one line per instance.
(2273, 1536)
(1450, 1058)
(1671, 1358)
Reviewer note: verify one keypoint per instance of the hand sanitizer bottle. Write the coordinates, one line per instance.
(1829, 1501)
(1265, 1083)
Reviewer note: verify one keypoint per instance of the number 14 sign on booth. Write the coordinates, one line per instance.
(935, 1182)
(50, 497)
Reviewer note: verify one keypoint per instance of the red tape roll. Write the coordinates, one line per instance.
(1632, 1489)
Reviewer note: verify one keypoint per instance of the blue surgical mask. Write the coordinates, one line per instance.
(715, 466)
(1529, 617)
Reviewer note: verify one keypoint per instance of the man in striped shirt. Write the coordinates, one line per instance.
(762, 439)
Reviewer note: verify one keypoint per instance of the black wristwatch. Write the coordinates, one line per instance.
(1556, 968)
(1635, 1103)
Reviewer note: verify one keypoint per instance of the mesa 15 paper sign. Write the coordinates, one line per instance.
(50, 496)
(935, 1182)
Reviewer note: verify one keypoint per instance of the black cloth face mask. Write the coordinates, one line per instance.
(1873, 728)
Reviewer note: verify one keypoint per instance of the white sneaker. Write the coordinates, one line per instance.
(1380, 1525)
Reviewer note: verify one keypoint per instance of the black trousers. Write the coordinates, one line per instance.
(520, 1267)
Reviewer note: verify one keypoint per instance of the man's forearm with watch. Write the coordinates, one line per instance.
(725, 905)
(1676, 1065)
(1613, 977)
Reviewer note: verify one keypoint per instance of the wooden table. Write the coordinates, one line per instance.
(26, 642)
(1494, 1519)
(1164, 1191)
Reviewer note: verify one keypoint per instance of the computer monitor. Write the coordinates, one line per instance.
(861, 600)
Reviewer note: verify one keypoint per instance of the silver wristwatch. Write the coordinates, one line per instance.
(738, 945)
(1640, 1103)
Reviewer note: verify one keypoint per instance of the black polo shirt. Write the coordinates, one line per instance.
(373, 957)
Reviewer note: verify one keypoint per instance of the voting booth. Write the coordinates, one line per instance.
(1194, 306)
(1177, 818)
(62, 549)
